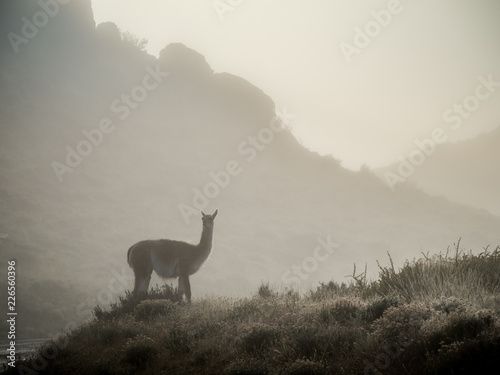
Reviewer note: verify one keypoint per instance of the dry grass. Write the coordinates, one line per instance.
(437, 315)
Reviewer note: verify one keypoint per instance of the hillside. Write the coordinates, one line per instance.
(74, 201)
(465, 172)
(436, 315)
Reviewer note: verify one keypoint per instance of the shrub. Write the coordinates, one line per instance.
(318, 343)
(203, 356)
(329, 290)
(166, 291)
(457, 327)
(449, 305)
(469, 357)
(463, 343)
(260, 339)
(265, 291)
(464, 275)
(252, 310)
(114, 334)
(133, 41)
(306, 367)
(304, 342)
(151, 309)
(401, 322)
(177, 342)
(124, 305)
(247, 368)
(139, 355)
(377, 306)
(342, 310)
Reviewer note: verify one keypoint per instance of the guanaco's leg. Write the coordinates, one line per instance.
(184, 287)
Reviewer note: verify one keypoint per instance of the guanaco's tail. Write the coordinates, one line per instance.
(129, 252)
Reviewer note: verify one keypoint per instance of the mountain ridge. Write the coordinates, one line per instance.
(448, 173)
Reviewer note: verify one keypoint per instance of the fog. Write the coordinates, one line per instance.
(260, 112)
(425, 57)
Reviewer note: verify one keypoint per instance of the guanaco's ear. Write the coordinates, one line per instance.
(203, 214)
(214, 214)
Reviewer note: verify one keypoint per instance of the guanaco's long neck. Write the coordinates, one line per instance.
(205, 244)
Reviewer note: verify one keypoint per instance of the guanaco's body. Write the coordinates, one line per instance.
(171, 259)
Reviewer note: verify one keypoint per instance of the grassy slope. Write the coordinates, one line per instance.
(436, 315)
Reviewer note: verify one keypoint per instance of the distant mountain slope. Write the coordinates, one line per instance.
(466, 172)
(101, 148)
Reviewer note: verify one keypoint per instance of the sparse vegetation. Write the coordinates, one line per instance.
(134, 41)
(437, 315)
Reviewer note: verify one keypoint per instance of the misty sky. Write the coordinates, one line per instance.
(428, 56)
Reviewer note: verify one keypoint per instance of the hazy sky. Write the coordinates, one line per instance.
(429, 55)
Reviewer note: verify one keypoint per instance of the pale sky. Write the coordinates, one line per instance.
(429, 55)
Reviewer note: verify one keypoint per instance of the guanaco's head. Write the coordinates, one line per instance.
(208, 220)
